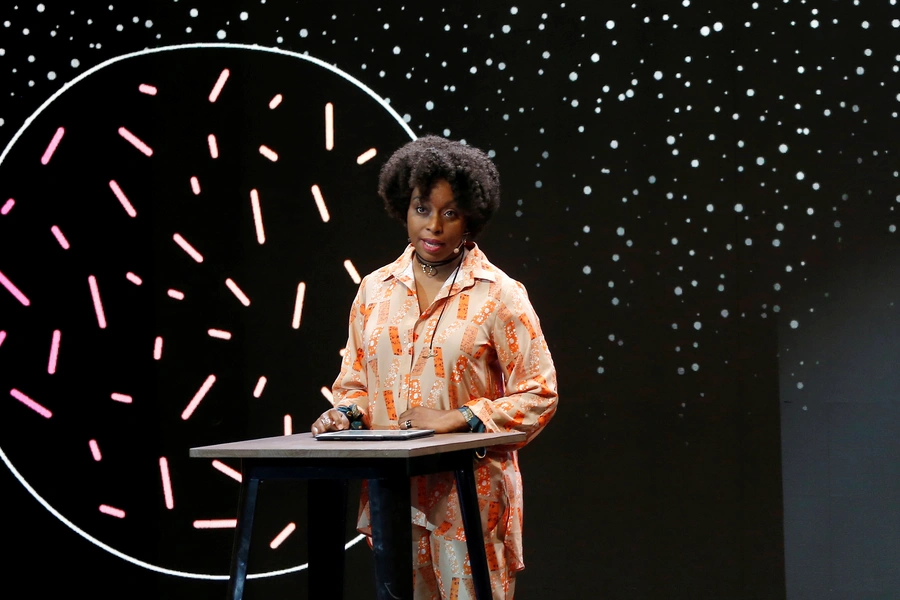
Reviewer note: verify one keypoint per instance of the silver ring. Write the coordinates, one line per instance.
(408, 424)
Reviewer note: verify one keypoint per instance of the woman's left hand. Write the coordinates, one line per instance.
(442, 421)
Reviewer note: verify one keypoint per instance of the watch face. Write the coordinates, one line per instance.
(183, 237)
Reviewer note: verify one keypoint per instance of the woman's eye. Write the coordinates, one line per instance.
(421, 210)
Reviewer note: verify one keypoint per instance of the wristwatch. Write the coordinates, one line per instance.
(474, 422)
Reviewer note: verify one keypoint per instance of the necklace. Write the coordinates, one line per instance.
(430, 268)
(431, 353)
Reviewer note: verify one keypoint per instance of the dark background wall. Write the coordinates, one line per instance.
(684, 182)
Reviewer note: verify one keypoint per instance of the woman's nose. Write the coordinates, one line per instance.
(434, 224)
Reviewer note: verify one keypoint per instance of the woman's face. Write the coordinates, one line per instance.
(434, 223)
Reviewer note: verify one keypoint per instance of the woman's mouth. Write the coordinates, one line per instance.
(432, 246)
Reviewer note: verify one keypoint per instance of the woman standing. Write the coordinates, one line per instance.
(442, 339)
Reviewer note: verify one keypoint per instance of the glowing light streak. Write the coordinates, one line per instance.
(98, 305)
(2, 337)
(30, 403)
(175, 294)
(166, 482)
(7, 206)
(342, 352)
(327, 393)
(218, 333)
(14, 290)
(213, 146)
(220, 83)
(222, 467)
(195, 186)
(48, 153)
(320, 202)
(275, 101)
(257, 217)
(157, 348)
(123, 398)
(354, 274)
(298, 305)
(260, 386)
(122, 199)
(215, 524)
(133, 278)
(237, 292)
(288, 425)
(112, 511)
(268, 153)
(54, 352)
(329, 126)
(282, 536)
(147, 89)
(60, 237)
(195, 401)
(135, 141)
(95, 450)
(187, 248)
(366, 156)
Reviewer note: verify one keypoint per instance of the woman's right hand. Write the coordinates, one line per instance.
(330, 420)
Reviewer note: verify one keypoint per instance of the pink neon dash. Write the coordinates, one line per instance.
(213, 146)
(48, 153)
(95, 450)
(282, 536)
(195, 401)
(98, 305)
(329, 126)
(288, 425)
(176, 294)
(366, 156)
(195, 186)
(30, 403)
(257, 217)
(14, 290)
(54, 352)
(218, 333)
(298, 305)
(166, 482)
(133, 278)
(237, 292)
(220, 83)
(351, 270)
(7, 206)
(60, 237)
(187, 247)
(215, 524)
(320, 202)
(2, 337)
(113, 512)
(220, 466)
(275, 101)
(147, 89)
(327, 393)
(121, 398)
(260, 386)
(122, 199)
(268, 153)
(135, 141)
(157, 348)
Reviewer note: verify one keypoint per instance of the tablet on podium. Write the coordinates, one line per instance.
(374, 434)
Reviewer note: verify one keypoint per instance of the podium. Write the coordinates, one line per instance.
(388, 465)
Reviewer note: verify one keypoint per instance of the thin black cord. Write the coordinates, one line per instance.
(444, 307)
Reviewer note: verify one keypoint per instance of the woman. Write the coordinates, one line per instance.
(442, 339)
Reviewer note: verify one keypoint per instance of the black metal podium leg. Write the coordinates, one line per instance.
(391, 537)
(241, 551)
(327, 520)
(468, 502)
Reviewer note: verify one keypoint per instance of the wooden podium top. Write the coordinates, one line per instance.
(303, 445)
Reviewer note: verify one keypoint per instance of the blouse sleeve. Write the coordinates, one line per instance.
(351, 386)
(530, 398)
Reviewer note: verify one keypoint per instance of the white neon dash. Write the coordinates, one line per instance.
(218, 333)
(58, 234)
(215, 524)
(257, 217)
(354, 274)
(98, 305)
(282, 536)
(268, 153)
(288, 425)
(5, 282)
(112, 511)
(320, 202)
(187, 248)
(195, 186)
(220, 83)
(222, 467)
(135, 141)
(54, 352)
(327, 393)
(366, 156)
(274, 102)
(7, 206)
(166, 482)
(133, 278)
(260, 386)
(237, 292)
(95, 450)
(176, 294)
(157, 348)
(54, 143)
(213, 146)
(298, 305)
(329, 126)
(195, 401)
(123, 200)
(30, 403)
(123, 398)
(147, 89)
